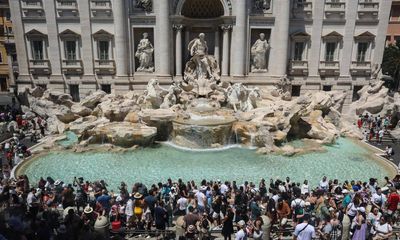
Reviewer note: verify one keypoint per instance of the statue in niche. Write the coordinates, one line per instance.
(259, 52)
(146, 5)
(202, 69)
(144, 53)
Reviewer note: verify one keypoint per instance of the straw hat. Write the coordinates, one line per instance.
(241, 223)
(88, 209)
(191, 228)
(138, 195)
(57, 182)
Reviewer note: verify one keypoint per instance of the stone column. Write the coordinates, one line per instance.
(53, 52)
(86, 36)
(216, 46)
(225, 49)
(162, 38)
(239, 33)
(280, 38)
(178, 50)
(121, 52)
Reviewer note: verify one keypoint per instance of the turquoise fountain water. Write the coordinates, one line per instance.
(344, 160)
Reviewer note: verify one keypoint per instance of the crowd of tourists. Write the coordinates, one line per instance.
(53, 209)
(375, 128)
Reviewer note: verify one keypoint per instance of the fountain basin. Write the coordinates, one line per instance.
(202, 131)
(345, 160)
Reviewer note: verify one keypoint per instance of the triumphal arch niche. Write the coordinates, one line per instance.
(202, 41)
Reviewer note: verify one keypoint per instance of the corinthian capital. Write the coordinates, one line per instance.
(177, 27)
(226, 27)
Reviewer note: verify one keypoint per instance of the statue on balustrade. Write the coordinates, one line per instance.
(144, 53)
(145, 5)
(259, 53)
(202, 69)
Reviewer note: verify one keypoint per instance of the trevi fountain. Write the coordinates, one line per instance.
(202, 127)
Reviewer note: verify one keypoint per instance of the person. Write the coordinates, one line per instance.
(227, 224)
(382, 229)
(393, 201)
(381, 133)
(305, 188)
(160, 217)
(190, 218)
(378, 199)
(297, 207)
(389, 151)
(104, 200)
(241, 234)
(304, 230)
(359, 225)
(324, 184)
(144, 53)
(283, 211)
(182, 205)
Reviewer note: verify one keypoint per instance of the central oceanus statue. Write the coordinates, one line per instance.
(202, 70)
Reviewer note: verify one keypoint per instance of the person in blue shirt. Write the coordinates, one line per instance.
(346, 199)
(104, 200)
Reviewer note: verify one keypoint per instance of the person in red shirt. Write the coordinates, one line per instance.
(393, 201)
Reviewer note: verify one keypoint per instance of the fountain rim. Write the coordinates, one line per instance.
(189, 122)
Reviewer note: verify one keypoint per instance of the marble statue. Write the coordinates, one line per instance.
(259, 55)
(199, 51)
(144, 53)
(235, 95)
(376, 71)
(145, 5)
(202, 69)
(169, 99)
(262, 5)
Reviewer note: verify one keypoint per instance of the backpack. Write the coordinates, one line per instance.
(298, 210)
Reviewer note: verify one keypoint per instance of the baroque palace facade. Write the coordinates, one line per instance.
(79, 46)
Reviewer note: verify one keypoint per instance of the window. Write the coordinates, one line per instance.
(74, 92)
(106, 88)
(10, 30)
(8, 15)
(330, 51)
(37, 48)
(3, 84)
(298, 51)
(362, 48)
(70, 50)
(296, 90)
(1, 57)
(355, 94)
(42, 86)
(326, 88)
(300, 3)
(103, 50)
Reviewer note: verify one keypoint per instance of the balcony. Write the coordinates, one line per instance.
(368, 11)
(38, 67)
(360, 68)
(335, 11)
(303, 10)
(104, 67)
(32, 4)
(33, 14)
(298, 68)
(101, 9)
(72, 66)
(329, 68)
(67, 9)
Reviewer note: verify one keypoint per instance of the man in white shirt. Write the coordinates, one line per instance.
(297, 206)
(324, 184)
(182, 205)
(305, 189)
(304, 231)
(201, 201)
(241, 235)
(378, 198)
(224, 188)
